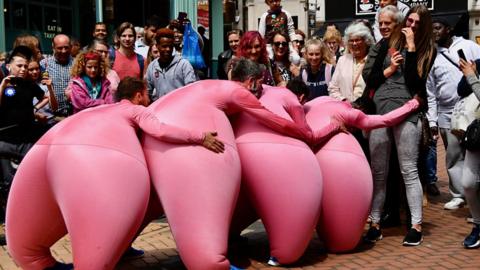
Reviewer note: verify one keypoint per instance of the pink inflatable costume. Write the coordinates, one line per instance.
(87, 176)
(280, 176)
(197, 189)
(347, 178)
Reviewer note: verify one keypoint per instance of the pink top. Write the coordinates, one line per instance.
(126, 66)
(206, 104)
(81, 98)
(102, 125)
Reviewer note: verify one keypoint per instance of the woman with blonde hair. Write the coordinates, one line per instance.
(317, 73)
(333, 39)
(89, 84)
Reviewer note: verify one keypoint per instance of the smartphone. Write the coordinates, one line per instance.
(461, 54)
(15, 80)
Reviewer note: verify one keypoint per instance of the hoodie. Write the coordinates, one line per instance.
(164, 80)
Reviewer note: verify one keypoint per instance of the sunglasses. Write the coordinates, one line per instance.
(301, 42)
(278, 44)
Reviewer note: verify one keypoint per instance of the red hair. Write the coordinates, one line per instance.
(92, 56)
(247, 41)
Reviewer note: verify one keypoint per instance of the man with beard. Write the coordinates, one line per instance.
(168, 72)
(442, 85)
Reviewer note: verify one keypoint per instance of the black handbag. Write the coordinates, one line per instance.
(471, 140)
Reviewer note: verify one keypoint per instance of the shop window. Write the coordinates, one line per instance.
(35, 16)
(19, 15)
(65, 21)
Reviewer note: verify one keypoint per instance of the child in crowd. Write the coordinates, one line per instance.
(319, 68)
(43, 110)
(89, 84)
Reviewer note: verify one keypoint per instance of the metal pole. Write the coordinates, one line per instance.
(99, 10)
(216, 32)
(2, 27)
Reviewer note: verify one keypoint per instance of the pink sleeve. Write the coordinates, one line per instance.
(248, 103)
(150, 124)
(360, 120)
(297, 113)
(325, 132)
(82, 100)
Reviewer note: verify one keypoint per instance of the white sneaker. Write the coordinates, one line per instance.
(455, 203)
(273, 261)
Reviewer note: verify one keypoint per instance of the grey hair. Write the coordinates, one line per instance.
(244, 68)
(359, 29)
(393, 12)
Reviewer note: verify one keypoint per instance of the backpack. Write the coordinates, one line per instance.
(140, 60)
(471, 140)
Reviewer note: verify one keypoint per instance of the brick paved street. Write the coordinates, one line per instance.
(441, 249)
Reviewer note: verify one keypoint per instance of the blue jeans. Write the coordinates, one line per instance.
(431, 163)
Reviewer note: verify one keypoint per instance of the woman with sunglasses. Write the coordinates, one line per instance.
(283, 69)
(398, 76)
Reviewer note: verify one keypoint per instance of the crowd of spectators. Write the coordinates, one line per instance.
(378, 69)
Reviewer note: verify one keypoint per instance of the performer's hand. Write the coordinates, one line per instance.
(212, 143)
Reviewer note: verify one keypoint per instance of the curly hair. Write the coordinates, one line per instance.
(78, 68)
(247, 40)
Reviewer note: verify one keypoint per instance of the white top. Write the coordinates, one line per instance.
(443, 79)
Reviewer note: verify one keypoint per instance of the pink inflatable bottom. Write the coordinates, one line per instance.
(347, 193)
(50, 195)
(198, 190)
(285, 192)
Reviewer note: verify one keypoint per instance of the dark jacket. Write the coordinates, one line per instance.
(223, 58)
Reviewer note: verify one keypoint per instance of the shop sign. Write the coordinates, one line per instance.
(52, 30)
(369, 7)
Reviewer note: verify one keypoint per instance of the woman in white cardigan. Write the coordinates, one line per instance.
(347, 82)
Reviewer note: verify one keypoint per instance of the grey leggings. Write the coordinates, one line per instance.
(470, 183)
(406, 137)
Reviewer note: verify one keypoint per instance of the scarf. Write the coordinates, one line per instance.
(93, 91)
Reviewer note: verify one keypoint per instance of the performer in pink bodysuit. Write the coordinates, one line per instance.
(88, 176)
(280, 177)
(347, 178)
(198, 190)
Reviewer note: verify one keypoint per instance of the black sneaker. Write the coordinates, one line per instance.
(373, 235)
(473, 239)
(432, 189)
(133, 253)
(413, 238)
